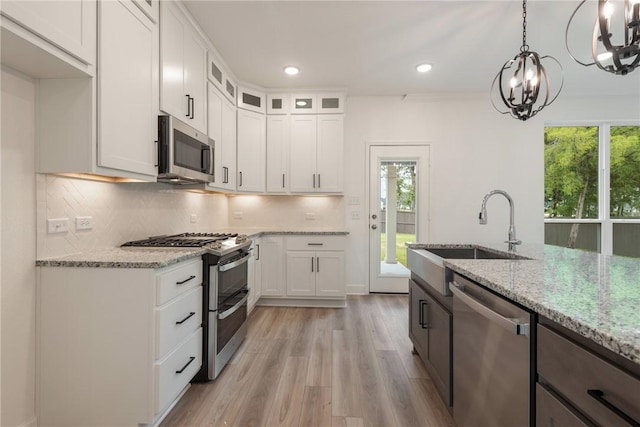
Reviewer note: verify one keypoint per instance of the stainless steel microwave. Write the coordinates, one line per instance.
(185, 155)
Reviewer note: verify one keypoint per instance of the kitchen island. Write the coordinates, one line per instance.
(584, 329)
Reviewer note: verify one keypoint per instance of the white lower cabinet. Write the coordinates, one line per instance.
(303, 269)
(272, 266)
(315, 274)
(116, 346)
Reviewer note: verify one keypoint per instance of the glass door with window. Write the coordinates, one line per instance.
(397, 212)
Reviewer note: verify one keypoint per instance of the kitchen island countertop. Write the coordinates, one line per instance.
(594, 295)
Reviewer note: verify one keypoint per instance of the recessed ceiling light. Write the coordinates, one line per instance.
(291, 70)
(423, 68)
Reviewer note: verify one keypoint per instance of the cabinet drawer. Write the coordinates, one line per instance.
(315, 243)
(573, 370)
(175, 280)
(176, 370)
(551, 412)
(177, 320)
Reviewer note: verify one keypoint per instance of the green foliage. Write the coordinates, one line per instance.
(571, 164)
(571, 167)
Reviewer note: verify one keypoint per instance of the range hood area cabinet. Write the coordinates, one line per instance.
(183, 81)
(105, 125)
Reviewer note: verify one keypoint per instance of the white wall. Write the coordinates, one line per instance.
(473, 150)
(18, 277)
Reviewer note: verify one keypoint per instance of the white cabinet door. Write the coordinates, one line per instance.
(214, 131)
(69, 25)
(277, 153)
(272, 264)
(127, 106)
(330, 153)
(301, 276)
(183, 70)
(173, 99)
(229, 145)
(302, 162)
(251, 152)
(195, 80)
(330, 281)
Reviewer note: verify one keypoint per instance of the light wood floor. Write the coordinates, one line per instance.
(320, 367)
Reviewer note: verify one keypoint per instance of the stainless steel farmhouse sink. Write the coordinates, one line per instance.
(428, 265)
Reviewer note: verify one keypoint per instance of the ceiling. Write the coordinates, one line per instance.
(372, 48)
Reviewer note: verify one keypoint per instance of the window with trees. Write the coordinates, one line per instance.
(592, 187)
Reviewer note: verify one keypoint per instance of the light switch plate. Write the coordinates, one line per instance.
(310, 216)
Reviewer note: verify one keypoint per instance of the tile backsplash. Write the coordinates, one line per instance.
(120, 211)
(129, 211)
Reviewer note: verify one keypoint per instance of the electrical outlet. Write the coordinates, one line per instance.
(193, 218)
(58, 225)
(310, 216)
(84, 222)
(237, 215)
(355, 214)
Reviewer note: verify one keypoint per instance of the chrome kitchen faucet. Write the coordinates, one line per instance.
(512, 227)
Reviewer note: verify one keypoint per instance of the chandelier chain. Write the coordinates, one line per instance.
(525, 46)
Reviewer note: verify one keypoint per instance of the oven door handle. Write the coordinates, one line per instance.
(235, 308)
(229, 266)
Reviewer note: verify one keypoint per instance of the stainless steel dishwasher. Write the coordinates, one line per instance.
(492, 354)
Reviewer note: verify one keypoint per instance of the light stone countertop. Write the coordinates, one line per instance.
(137, 257)
(593, 295)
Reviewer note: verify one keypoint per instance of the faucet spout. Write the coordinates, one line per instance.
(482, 217)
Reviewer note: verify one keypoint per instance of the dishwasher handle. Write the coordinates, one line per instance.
(509, 324)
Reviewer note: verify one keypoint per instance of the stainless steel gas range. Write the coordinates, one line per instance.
(225, 292)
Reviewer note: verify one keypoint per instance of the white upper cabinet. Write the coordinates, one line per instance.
(127, 96)
(329, 150)
(316, 153)
(277, 154)
(330, 103)
(183, 55)
(302, 164)
(151, 8)
(251, 100)
(220, 78)
(222, 130)
(69, 25)
(251, 152)
(303, 104)
(278, 104)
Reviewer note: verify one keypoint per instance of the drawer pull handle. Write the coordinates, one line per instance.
(599, 396)
(180, 322)
(315, 244)
(185, 280)
(191, 359)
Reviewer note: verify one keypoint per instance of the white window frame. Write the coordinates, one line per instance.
(604, 180)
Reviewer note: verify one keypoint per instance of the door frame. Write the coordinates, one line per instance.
(427, 216)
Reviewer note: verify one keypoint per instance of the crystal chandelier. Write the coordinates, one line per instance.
(617, 59)
(523, 82)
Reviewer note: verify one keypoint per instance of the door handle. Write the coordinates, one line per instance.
(374, 227)
(422, 317)
(188, 105)
(192, 107)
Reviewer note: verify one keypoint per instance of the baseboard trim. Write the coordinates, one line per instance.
(356, 289)
(295, 302)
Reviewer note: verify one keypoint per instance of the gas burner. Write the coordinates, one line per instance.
(217, 243)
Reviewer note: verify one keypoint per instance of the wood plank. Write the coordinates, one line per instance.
(398, 388)
(344, 383)
(431, 409)
(347, 422)
(320, 359)
(316, 407)
(287, 406)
